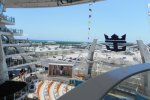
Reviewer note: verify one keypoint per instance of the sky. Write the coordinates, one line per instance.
(71, 23)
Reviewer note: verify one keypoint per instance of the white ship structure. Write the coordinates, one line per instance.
(51, 71)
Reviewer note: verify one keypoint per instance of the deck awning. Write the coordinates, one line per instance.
(43, 3)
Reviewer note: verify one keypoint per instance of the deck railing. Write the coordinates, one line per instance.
(8, 19)
(16, 32)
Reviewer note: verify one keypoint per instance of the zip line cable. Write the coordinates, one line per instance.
(147, 9)
(89, 20)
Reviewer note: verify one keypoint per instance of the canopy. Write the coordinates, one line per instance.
(43, 3)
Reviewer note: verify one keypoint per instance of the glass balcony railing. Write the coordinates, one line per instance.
(19, 61)
(16, 32)
(4, 29)
(21, 41)
(14, 62)
(10, 51)
(8, 19)
(12, 41)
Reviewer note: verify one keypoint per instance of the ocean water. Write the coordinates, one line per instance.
(39, 40)
(58, 42)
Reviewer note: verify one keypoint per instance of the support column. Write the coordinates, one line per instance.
(145, 55)
(90, 56)
(3, 67)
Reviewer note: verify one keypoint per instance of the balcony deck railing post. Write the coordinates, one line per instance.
(14, 97)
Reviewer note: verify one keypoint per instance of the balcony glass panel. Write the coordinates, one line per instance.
(9, 19)
(18, 32)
